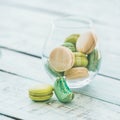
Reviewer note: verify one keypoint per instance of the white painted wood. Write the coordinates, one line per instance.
(15, 102)
(102, 10)
(24, 30)
(24, 26)
(5, 118)
(102, 88)
(34, 27)
(31, 67)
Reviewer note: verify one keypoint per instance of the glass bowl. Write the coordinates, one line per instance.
(61, 30)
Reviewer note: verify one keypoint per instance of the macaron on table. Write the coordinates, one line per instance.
(41, 92)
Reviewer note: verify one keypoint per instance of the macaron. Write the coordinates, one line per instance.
(76, 72)
(41, 92)
(80, 59)
(72, 38)
(79, 54)
(81, 62)
(52, 71)
(69, 45)
(94, 59)
(61, 59)
(86, 42)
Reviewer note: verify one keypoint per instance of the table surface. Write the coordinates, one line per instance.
(24, 27)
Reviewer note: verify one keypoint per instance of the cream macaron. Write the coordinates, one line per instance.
(61, 59)
(86, 42)
(76, 72)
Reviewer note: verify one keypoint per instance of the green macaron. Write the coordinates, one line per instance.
(41, 92)
(80, 59)
(72, 38)
(94, 59)
(69, 45)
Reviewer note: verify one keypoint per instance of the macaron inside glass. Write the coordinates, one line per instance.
(69, 45)
(86, 42)
(72, 38)
(61, 59)
(76, 72)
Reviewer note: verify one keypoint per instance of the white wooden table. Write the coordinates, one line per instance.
(24, 26)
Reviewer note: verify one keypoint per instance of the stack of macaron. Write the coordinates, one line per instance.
(76, 56)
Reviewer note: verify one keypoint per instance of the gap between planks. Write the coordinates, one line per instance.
(107, 69)
(103, 88)
(19, 105)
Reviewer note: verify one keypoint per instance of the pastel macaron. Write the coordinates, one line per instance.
(72, 38)
(69, 45)
(94, 60)
(86, 42)
(80, 60)
(76, 72)
(41, 92)
(61, 59)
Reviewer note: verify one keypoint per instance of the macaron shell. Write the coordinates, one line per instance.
(69, 45)
(41, 89)
(86, 42)
(41, 98)
(94, 60)
(72, 38)
(79, 54)
(92, 47)
(81, 62)
(61, 59)
(76, 72)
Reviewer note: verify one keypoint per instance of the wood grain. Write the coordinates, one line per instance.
(24, 27)
(15, 102)
(27, 34)
(2, 117)
(34, 26)
(31, 67)
(28, 37)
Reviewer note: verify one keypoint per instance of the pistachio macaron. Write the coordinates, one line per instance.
(61, 59)
(80, 60)
(94, 59)
(79, 54)
(86, 42)
(69, 45)
(76, 72)
(41, 92)
(72, 38)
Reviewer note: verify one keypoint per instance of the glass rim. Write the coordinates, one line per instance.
(73, 22)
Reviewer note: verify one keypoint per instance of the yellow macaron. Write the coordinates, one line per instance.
(41, 92)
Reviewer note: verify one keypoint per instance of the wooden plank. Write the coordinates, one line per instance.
(29, 33)
(15, 102)
(25, 31)
(103, 88)
(31, 67)
(109, 65)
(2, 117)
(85, 8)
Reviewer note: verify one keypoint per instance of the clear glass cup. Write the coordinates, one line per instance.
(61, 29)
